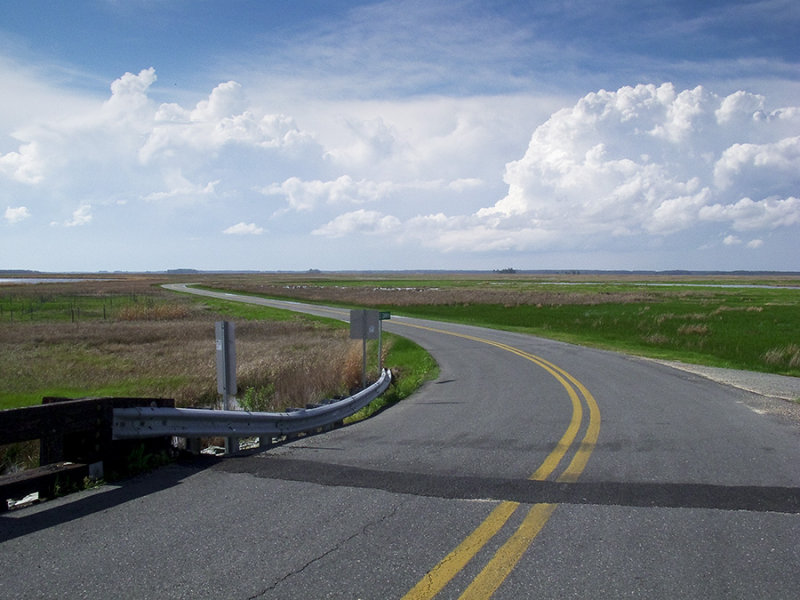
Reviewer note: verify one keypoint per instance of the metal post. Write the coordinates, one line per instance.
(364, 325)
(364, 350)
(382, 316)
(226, 372)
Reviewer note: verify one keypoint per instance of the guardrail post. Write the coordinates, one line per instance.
(193, 445)
(226, 372)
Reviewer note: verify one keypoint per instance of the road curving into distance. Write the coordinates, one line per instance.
(529, 468)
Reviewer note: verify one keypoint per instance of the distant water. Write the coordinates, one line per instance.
(676, 284)
(31, 280)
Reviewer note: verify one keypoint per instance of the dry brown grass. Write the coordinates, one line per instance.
(656, 339)
(154, 312)
(784, 356)
(301, 364)
(693, 329)
(162, 345)
(176, 359)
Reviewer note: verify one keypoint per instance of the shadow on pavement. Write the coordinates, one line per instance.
(38, 517)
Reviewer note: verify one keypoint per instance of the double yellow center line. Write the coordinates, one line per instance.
(508, 555)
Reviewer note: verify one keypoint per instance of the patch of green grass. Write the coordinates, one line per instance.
(411, 366)
(51, 307)
(247, 312)
(19, 400)
(235, 309)
(753, 330)
(133, 388)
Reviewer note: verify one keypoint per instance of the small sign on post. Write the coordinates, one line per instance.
(364, 325)
(226, 371)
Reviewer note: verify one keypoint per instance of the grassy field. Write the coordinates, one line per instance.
(126, 336)
(736, 321)
(129, 337)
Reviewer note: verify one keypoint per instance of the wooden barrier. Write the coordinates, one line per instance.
(75, 441)
(48, 481)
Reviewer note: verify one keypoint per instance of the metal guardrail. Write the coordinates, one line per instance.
(145, 422)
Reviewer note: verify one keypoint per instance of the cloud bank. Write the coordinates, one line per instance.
(633, 165)
(648, 159)
(640, 161)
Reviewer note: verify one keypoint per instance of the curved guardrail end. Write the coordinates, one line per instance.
(144, 422)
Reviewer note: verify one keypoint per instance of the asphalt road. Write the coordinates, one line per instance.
(530, 468)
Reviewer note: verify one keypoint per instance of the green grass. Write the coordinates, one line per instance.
(123, 388)
(233, 309)
(692, 319)
(755, 329)
(411, 366)
(47, 306)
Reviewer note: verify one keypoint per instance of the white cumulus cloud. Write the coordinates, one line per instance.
(15, 214)
(80, 216)
(306, 195)
(303, 195)
(243, 228)
(646, 160)
(731, 240)
(181, 189)
(223, 118)
(358, 222)
(25, 165)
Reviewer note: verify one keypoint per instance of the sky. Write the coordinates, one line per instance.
(144, 135)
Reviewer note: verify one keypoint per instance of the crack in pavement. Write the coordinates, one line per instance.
(336, 547)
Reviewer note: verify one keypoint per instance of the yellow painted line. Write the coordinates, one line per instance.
(589, 441)
(506, 558)
(451, 565)
(562, 447)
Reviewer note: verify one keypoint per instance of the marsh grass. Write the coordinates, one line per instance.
(692, 318)
(160, 344)
(760, 340)
(411, 367)
(174, 359)
(18, 456)
(787, 357)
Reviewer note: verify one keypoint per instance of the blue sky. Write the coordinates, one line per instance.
(147, 135)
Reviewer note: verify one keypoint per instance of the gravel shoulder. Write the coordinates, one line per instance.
(780, 394)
